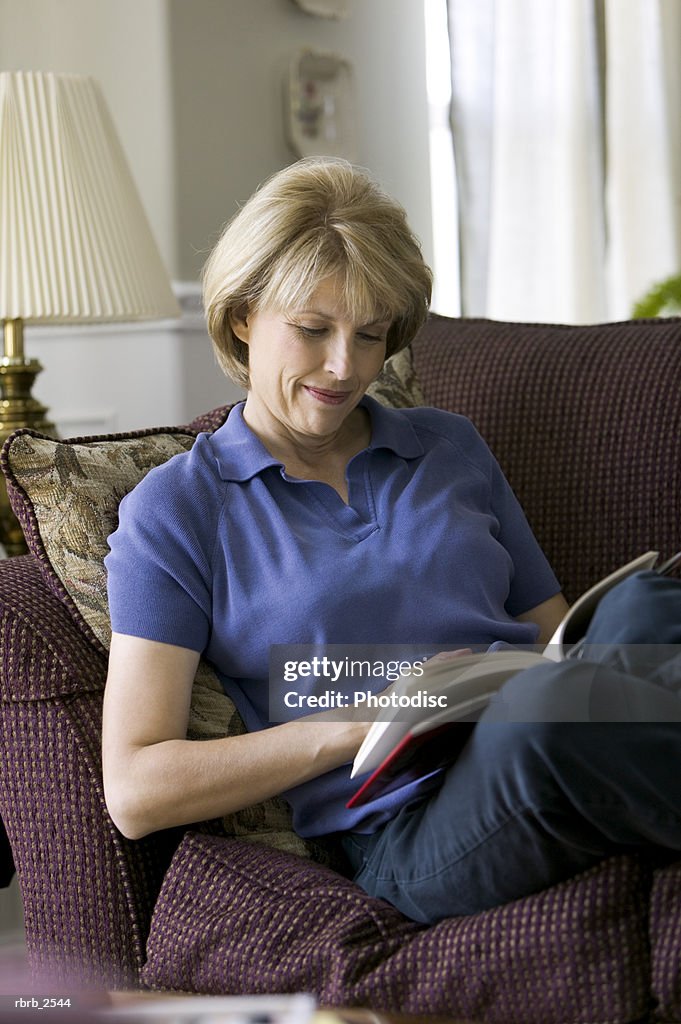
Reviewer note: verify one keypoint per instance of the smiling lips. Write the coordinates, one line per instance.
(328, 397)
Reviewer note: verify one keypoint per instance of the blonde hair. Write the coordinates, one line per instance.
(317, 218)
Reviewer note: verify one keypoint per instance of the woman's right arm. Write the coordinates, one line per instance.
(154, 777)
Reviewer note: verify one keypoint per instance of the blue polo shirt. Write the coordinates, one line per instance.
(218, 550)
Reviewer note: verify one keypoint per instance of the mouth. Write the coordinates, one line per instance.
(326, 396)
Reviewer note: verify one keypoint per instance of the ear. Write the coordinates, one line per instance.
(238, 321)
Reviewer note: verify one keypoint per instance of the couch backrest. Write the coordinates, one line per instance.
(585, 422)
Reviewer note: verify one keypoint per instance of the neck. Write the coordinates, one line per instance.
(292, 447)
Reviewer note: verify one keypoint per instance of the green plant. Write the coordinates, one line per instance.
(663, 299)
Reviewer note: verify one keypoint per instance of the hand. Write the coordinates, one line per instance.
(450, 655)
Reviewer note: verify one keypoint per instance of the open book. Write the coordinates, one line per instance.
(416, 741)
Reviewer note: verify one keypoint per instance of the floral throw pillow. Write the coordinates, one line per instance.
(397, 385)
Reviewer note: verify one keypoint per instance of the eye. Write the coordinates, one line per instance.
(372, 339)
(309, 332)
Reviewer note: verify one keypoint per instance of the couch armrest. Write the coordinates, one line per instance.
(88, 893)
(43, 653)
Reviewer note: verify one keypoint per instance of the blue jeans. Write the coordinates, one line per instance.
(574, 762)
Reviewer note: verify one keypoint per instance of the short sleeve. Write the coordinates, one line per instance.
(158, 566)
(533, 580)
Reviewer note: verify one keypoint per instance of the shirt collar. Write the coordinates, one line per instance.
(241, 455)
(391, 428)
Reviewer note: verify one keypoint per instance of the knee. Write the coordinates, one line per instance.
(643, 609)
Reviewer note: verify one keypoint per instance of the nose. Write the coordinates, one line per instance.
(339, 358)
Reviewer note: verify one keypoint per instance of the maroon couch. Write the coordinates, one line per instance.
(586, 422)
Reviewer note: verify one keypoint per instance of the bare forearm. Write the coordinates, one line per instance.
(178, 781)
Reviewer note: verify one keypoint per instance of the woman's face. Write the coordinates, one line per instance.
(309, 367)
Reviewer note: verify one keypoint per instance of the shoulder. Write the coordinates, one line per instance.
(439, 430)
(187, 477)
(160, 560)
(439, 422)
(178, 502)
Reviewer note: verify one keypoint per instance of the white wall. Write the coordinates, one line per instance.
(228, 63)
(119, 377)
(195, 90)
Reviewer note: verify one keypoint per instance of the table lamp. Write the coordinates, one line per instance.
(75, 243)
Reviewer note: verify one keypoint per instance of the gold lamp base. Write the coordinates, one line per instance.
(18, 409)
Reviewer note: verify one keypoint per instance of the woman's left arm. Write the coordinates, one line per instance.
(547, 616)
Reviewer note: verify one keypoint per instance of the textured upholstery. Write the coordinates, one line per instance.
(665, 938)
(551, 957)
(87, 892)
(585, 422)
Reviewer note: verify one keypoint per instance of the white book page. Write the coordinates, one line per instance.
(469, 681)
(579, 615)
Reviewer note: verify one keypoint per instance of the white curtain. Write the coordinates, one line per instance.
(566, 119)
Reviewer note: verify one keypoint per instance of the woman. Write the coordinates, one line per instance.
(314, 515)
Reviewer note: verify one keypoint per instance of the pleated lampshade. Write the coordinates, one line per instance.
(75, 243)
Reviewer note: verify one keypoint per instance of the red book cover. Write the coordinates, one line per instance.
(417, 755)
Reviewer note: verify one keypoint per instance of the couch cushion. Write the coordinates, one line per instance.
(397, 385)
(585, 421)
(231, 920)
(665, 939)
